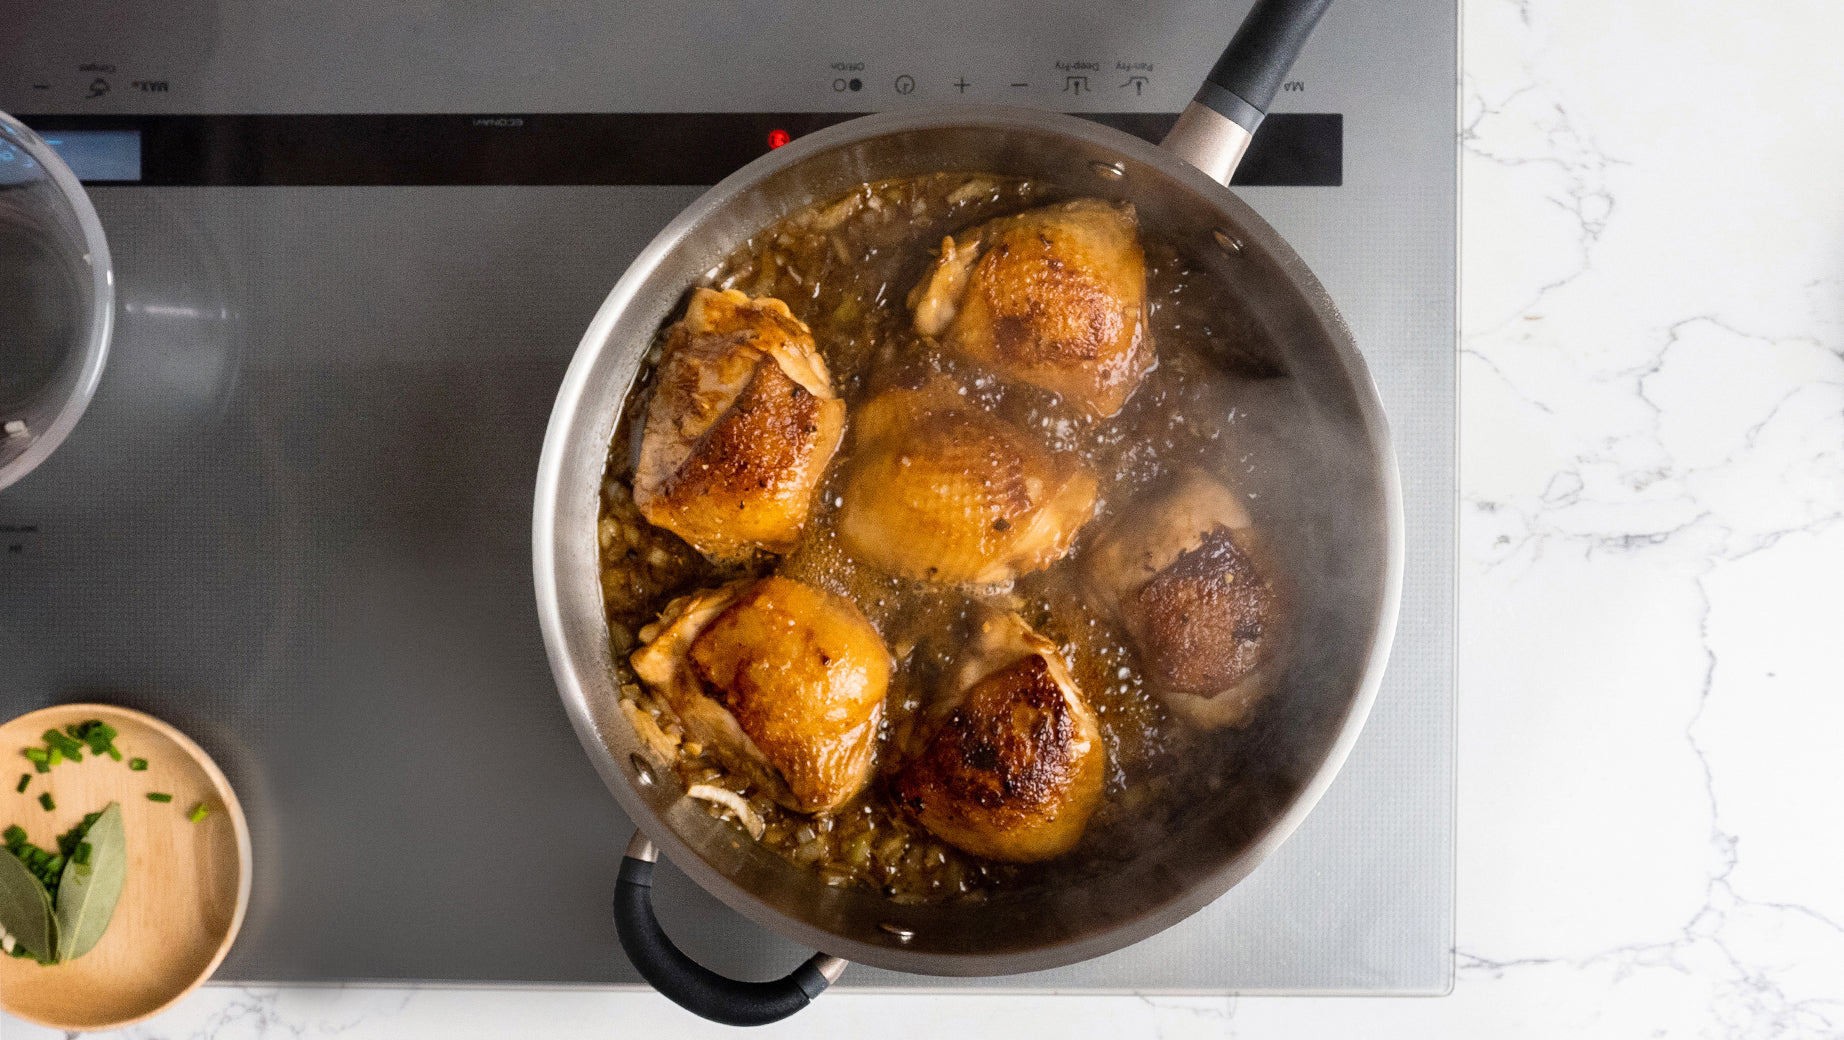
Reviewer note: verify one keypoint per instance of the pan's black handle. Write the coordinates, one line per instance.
(1245, 79)
(1213, 133)
(691, 985)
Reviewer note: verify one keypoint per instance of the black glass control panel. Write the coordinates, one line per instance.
(1291, 149)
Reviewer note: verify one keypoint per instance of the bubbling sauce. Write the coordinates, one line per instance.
(845, 267)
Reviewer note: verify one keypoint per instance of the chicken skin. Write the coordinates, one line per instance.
(742, 424)
(939, 489)
(1054, 297)
(1185, 573)
(1014, 766)
(783, 681)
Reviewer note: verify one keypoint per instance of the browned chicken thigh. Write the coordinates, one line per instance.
(1055, 297)
(1014, 765)
(1185, 573)
(783, 681)
(941, 490)
(741, 426)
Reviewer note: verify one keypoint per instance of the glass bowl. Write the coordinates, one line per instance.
(57, 300)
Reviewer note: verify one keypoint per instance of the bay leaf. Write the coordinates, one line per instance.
(25, 908)
(87, 892)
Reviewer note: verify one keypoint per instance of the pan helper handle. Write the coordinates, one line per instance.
(691, 985)
(1214, 131)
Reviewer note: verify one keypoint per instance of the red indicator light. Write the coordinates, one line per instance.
(777, 138)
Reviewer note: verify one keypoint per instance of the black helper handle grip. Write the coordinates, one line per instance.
(1249, 74)
(691, 985)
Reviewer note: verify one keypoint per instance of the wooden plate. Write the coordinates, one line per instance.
(187, 885)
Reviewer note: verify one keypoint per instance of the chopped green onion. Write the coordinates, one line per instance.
(137, 764)
(158, 796)
(98, 734)
(198, 813)
(45, 800)
(110, 749)
(41, 767)
(56, 756)
(14, 834)
(25, 781)
(81, 857)
(36, 754)
(63, 743)
(54, 864)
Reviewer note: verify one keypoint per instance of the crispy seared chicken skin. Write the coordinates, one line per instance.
(1014, 765)
(741, 426)
(1185, 573)
(784, 681)
(941, 490)
(1054, 297)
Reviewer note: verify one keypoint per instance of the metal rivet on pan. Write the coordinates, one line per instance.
(1108, 170)
(902, 934)
(643, 770)
(1227, 242)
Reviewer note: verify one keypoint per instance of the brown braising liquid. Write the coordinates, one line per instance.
(845, 267)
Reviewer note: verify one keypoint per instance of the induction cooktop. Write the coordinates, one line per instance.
(356, 245)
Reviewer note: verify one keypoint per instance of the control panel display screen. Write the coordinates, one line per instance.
(99, 155)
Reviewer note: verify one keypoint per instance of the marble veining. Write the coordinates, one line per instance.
(1652, 472)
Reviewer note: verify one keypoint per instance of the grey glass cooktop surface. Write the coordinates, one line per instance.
(295, 521)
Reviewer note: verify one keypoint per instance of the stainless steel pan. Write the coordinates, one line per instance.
(1341, 542)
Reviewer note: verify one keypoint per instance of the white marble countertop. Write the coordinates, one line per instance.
(1652, 472)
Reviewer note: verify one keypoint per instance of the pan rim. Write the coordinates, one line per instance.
(562, 639)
